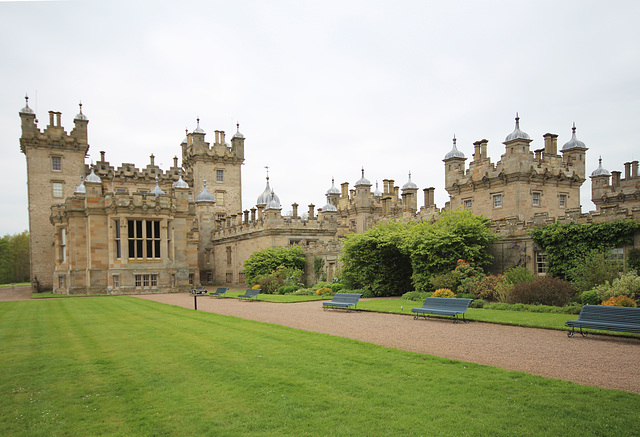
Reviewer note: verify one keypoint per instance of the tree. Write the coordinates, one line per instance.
(266, 261)
(377, 261)
(435, 248)
(14, 258)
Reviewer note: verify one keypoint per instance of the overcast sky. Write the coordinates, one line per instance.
(321, 88)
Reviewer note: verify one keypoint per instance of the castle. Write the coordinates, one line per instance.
(102, 229)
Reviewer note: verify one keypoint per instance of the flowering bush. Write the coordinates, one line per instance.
(323, 291)
(443, 292)
(626, 285)
(256, 287)
(620, 301)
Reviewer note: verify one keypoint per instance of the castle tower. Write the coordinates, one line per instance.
(220, 164)
(454, 164)
(410, 196)
(55, 164)
(573, 154)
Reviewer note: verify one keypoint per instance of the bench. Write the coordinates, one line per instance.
(219, 292)
(624, 319)
(250, 294)
(199, 291)
(342, 300)
(443, 306)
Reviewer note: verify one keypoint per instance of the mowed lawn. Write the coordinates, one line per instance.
(127, 366)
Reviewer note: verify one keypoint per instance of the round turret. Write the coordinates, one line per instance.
(205, 195)
(600, 171)
(409, 185)
(454, 153)
(363, 181)
(573, 143)
(26, 109)
(80, 115)
(517, 134)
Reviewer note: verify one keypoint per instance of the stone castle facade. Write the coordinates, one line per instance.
(107, 229)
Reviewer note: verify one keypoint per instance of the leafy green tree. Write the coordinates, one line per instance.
(594, 269)
(14, 258)
(435, 248)
(376, 260)
(266, 261)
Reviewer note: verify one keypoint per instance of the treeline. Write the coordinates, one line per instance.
(14, 258)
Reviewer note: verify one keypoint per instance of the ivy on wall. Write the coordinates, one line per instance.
(567, 244)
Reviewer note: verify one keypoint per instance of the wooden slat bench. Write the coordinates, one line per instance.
(250, 294)
(443, 306)
(607, 318)
(342, 301)
(219, 292)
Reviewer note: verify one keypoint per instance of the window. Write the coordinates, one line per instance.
(147, 280)
(56, 163)
(221, 216)
(617, 254)
(191, 278)
(541, 263)
(536, 198)
(467, 204)
(63, 245)
(173, 280)
(229, 278)
(57, 189)
(220, 198)
(228, 255)
(209, 277)
(219, 175)
(563, 200)
(241, 277)
(497, 200)
(116, 224)
(60, 281)
(144, 239)
(116, 281)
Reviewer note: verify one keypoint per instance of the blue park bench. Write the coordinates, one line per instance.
(624, 319)
(443, 306)
(219, 292)
(250, 294)
(343, 301)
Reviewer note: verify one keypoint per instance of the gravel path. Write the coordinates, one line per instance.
(598, 360)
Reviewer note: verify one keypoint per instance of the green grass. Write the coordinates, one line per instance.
(127, 366)
(17, 284)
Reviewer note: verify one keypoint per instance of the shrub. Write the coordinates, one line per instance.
(416, 295)
(633, 260)
(288, 289)
(336, 287)
(546, 291)
(620, 301)
(324, 291)
(443, 292)
(478, 303)
(487, 287)
(267, 261)
(573, 309)
(594, 269)
(304, 292)
(269, 284)
(517, 275)
(444, 280)
(628, 284)
(590, 297)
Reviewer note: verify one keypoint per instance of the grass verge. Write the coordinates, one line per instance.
(126, 366)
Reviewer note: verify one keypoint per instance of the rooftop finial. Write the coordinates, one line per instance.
(267, 167)
(237, 127)
(454, 140)
(517, 121)
(363, 171)
(573, 129)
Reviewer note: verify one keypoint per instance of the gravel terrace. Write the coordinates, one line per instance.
(597, 360)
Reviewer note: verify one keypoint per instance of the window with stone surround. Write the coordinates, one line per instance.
(228, 255)
(118, 241)
(57, 189)
(146, 280)
(536, 195)
(541, 263)
(116, 281)
(144, 239)
(63, 245)
(241, 277)
(497, 200)
(219, 175)
(562, 200)
(467, 203)
(56, 163)
(191, 278)
(229, 277)
(220, 198)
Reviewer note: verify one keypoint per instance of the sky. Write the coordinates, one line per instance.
(321, 89)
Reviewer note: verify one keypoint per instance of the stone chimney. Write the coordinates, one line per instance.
(634, 169)
(615, 178)
(627, 170)
(345, 190)
(483, 149)
(550, 144)
(477, 155)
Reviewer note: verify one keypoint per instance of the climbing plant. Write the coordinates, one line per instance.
(566, 245)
